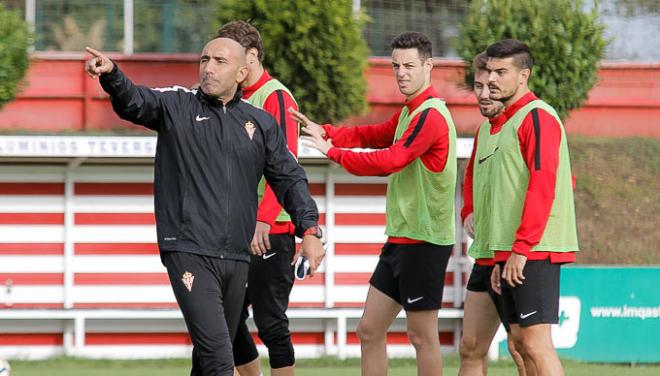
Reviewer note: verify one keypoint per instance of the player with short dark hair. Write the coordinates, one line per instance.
(417, 151)
(531, 227)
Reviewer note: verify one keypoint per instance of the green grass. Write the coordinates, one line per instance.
(617, 198)
(307, 367)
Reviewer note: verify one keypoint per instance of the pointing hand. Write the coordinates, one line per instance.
(99, 64)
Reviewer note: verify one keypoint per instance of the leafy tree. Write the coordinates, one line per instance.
(14, 40)
(566, 42)
(314, 47)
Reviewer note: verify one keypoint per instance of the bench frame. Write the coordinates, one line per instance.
(75, 322)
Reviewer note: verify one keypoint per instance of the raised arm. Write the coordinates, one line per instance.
(427, 131)
(137, 104)
(375, 136)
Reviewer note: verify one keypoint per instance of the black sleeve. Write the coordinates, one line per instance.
(288, 180)
(137, 104)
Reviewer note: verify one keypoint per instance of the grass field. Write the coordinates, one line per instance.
(312, 367)
(617, 192)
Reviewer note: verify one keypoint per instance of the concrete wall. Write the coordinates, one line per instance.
(59, 97)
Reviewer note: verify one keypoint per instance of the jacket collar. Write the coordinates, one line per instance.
(214, 101)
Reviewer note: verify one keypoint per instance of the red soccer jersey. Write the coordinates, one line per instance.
(426, 138)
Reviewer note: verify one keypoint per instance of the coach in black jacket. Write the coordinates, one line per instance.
(212, 150)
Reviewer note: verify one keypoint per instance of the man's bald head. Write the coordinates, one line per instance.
(222, 67)
(231, 48)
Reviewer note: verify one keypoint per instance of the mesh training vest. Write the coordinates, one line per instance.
(257, 99)
(509, 180)
(420, 203)
(481, 187)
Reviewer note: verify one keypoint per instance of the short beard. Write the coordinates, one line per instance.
(490, 113)
(504, 99)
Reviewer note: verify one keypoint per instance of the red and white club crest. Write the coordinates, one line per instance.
(187, 280)
(249, 127)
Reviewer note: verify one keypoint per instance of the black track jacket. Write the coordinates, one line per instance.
(207, 167)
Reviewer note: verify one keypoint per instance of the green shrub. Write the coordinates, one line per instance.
(566, 42)
(314, 47)
(14, 39)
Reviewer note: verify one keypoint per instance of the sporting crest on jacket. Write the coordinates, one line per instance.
(249, 127)
(187, 280)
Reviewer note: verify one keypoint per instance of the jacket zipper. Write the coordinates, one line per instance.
(227, 159)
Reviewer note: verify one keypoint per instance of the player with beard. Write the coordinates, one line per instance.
(531, 226)
(481, 320)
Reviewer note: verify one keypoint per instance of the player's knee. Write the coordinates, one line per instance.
(534, 349)
(274, 334)
(280, 348)
(215, 360)
(281, 356)
(530, 349)
(244, 348)
(245, 356)
(470, 348)
(369, 334)
(516, 341)
(515, 348)
(422, 339)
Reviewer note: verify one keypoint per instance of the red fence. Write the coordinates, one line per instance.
(59, 97)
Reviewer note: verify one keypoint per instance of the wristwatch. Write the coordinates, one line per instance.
(314, 231)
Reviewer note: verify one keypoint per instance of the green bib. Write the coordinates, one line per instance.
(257, 99)
(420, 203)
(509, 178)
(481, 190)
